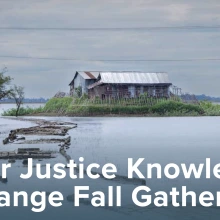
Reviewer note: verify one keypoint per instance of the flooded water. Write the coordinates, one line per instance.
(114, 140)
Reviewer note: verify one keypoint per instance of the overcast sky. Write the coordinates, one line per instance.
(46, 77)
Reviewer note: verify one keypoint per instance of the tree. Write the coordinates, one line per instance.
(4, 82)
(78, 91)
(18, 95)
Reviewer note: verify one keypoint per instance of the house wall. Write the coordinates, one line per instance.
(128, 91)
(87, 83)
(79, 81)
(71, 89)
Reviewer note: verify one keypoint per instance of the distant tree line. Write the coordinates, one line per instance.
(25, 100)
(207, 98)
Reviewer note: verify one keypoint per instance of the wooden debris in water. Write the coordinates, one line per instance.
(44, 128)
(25, 155)
(44, 140)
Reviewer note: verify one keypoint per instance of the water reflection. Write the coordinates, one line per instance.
(103, 140)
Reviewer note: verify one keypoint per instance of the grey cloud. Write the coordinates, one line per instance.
(44, 77)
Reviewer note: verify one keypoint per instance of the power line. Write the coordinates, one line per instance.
(112, 60)
(150, 28)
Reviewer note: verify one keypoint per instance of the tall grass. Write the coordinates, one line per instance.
(58, 105)
(138, 101)
(153, 107)
(106, 110)
(210, 109)
(173, 107)
(23, 111)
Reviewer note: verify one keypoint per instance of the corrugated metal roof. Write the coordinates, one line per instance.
(95, 84)
(134, 77)
(89, 75)
(86, 75)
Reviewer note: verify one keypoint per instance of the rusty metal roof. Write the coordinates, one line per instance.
(86, 75)
(132, 78)
(95, 84)
(89, 75)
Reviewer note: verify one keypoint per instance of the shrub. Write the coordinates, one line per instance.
(23, 111)
(58, 104)
(210, 108)
(176, 107)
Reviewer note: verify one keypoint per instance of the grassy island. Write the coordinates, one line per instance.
(146, 106)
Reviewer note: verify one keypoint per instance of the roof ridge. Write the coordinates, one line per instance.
(106, 71)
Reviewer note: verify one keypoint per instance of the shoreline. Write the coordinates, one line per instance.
(105, 115)
(3, 103)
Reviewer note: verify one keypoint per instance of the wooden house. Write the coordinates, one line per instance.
(129, 85)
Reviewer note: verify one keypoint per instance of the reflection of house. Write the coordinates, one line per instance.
(129, 85)
(82, 80)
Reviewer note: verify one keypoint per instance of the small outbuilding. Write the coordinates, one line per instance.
(129, 85)
(81, 81)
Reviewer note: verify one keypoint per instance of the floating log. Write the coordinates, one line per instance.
(25, 150)
(44, 130)
(44, 140)
(21, 156)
